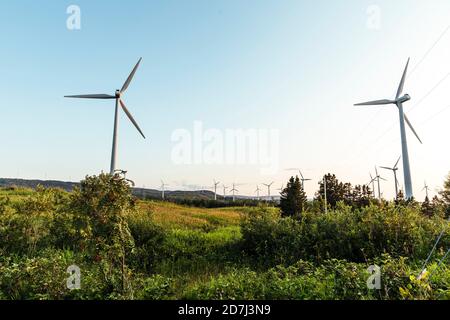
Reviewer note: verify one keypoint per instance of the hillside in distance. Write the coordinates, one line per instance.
(139, 192)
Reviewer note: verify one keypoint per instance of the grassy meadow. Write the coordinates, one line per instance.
(128, 248)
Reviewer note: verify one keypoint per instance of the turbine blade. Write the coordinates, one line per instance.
(130, 117)
(301, 174)
(386, 168)
(412, 128)
(92, 96)
(375, 103)
(130, 77)
(402, 82)
(381, 178)
(397, 162)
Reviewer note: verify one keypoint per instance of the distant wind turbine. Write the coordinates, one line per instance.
(399, 100)
(257, 192)
(377, 179)
(394, 169)
(233, 191)
(225, 192)
(372, 181)
(426, 188)
(216, 183)
(268, 188)
(303, 179)
(163, 189)
(119, 101)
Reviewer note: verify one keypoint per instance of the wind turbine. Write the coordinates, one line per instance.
(257, 192)
(225, 192)
(394, 169)
(426, 188)
(234, 190)
(215, 189)
(303, 180)
(372, 181)
(399, 100)
(377, 179)
(163, 189)
(119, 101)
(268, 188)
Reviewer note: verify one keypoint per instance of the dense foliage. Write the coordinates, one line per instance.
(127, 249)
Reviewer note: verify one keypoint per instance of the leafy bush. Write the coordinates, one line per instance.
(148, 239)
(342, 234)
(156, 287)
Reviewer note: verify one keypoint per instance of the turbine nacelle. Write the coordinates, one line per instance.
(403, 99)
(118, 94)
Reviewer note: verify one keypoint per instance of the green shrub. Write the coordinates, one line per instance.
(156, 288)
(342, 234)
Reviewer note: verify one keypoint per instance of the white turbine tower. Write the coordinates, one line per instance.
(399, 100)
(268, 189)
(257, 192)
(377, 179)
(118, 97)
(215, 189)
(426, 188)
(225, 192)
(372, 181)
(394, 169)
(233, 191)
(163, 189)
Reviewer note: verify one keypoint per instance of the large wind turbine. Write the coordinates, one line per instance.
(394, 170)
(119, 101)
(399, 100)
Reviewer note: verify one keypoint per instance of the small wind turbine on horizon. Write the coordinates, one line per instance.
(377, 179)
(257, 193)
(163, 189)
(216, 183)
(372, 181)
(119, 101)
(303, 179)
(394, 169)
(224, 192)
(233, 191)
(426, 188)
(268, 189)
(399, 100)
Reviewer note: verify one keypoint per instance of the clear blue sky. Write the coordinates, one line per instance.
(296, 66)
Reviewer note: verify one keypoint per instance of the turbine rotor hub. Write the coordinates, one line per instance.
(405, 98)
(118, 94)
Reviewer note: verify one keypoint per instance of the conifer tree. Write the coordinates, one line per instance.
(293, 199)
